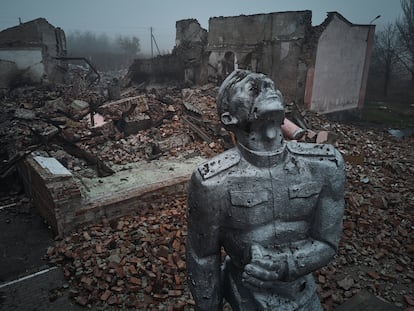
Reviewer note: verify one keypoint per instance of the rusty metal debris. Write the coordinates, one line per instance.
(95, 79)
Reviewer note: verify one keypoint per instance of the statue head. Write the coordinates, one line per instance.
(245, 96)
(249, 105)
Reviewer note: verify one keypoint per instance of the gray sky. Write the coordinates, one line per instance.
(135, 17)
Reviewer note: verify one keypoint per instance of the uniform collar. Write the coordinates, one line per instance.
(262, 158)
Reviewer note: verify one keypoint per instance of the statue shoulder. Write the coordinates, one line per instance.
(320, 151)
(219, 163)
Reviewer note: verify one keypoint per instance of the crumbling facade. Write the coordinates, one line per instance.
(187, 63)
(288, 49)
(28, 51)
(329, 63)
(304, 61)
(268, 43)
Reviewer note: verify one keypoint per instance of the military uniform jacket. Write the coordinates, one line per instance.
(290, 201)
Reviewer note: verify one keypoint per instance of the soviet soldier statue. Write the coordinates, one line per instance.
(275, 207)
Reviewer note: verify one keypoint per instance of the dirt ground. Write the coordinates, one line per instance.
(24, 238)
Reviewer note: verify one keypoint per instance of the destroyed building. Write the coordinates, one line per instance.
(76, 138)
(28, 53)
(301, 59)
(186, 63)
(121, 166)
(304, 61)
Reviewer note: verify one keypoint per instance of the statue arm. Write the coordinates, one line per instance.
(203, 247)
(320, 248)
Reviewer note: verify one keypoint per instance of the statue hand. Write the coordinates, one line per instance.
(265, 269)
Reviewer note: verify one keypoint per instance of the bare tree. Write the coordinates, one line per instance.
(130, 45)
(405, 26)
(386, 54)
(106, 52)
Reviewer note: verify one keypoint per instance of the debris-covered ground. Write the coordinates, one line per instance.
(139, 262)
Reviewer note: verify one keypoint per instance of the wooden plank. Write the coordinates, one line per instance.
(203, 135)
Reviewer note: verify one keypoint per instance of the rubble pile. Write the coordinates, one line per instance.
(376, 251)
(172, 132)
(88, 130)
(139, 261)
(134, 262)
(377, 247)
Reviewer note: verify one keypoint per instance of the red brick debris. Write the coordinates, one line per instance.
(135, 262)
(139, 262)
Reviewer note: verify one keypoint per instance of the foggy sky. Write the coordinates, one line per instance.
(135, 17)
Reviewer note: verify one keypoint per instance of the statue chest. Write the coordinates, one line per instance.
(264, 196)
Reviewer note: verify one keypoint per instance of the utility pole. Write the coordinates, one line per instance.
(152, 42)
(152, 49)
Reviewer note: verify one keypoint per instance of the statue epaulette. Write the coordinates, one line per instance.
(312, 150)
(219, 164)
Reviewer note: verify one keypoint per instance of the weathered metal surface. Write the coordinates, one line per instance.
(275, 207)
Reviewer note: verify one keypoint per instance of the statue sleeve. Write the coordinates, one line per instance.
(203, 245)
(308, 256)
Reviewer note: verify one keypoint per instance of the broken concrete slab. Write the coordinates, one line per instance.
(139, 175)
(52, 165)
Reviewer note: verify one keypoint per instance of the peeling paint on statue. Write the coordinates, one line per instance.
(275, 207)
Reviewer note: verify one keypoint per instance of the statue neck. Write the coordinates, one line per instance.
(260, 136)
(263, 158)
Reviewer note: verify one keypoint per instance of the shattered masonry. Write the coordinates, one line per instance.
(28, 52)
(283, 45)
(136, 259)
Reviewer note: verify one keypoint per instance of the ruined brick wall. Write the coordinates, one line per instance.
(62, 204)
(23, 33)
(268, 43)
(191, 41)
(281, 60)
(189, 30)
(187, 63)
(250, 30)
(56, 196)
(35, 35)
(163, 68)
(28, 61)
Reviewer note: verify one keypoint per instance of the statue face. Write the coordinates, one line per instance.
(254, 99)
